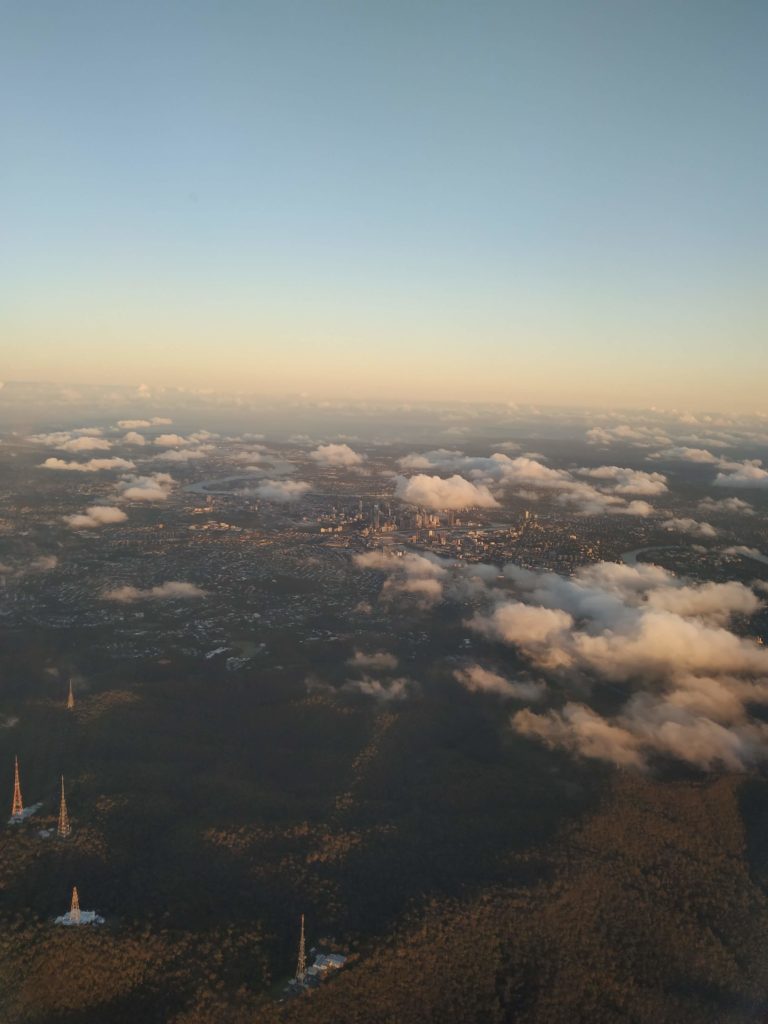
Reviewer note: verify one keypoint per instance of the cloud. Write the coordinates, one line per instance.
(391, 690)
(438, 458)
(527, 475)
(376, 660)
(684, 524)
(84, 444)
(726, 506)
(92, 466)
(161, 421)
(43, 563)
(745, 552)
(582, 731)
(173, 590)
(170, 440)
(133, 424)
(640, 437)
(480, 680)
(337, 455)
(437, 493)
(256, 454)
(95, 516)
(743, 474)
(628, 481)
(155, 487)
(133, 438)
(700, 455)
(186, 455)
(53, 440)
(280, 490)
(410, 574)
(693, 680)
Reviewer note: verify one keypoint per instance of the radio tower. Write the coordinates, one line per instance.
(18, 805)
(74, 910)
(70, 697)
(301, 966)
(64, 828)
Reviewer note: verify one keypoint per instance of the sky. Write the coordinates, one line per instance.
(549, 201)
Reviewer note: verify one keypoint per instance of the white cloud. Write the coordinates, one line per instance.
(391, 690)
(170, 441)
(726, 506)
(281, 490)
(687, 455)
(684, 524)
(133, 438)
(133, 424)
(628, 481)
(744, 474)
(95, 516)
(480, 680)
(411, 574)
(185, 455)
(639, 436)
(434, 492)
(85, 444)
(528, 475)
(171, 591)
(43, 563)
(155, 487)
(53, 440)
(376, 660)
(337, 455)
(92, 466)
(693, 680)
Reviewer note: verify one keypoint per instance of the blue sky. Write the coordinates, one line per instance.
(547, 201)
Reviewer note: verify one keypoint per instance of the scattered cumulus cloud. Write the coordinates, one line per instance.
(340, 455)
(183, 455)
(376, 660)
(435, 492)
(480, 680)
(684, 524)
(155, 487)
(693, 679)
(85, 444)
(726, 506)
(173, 590)
(95, 516)
(132, 437)
(743, 474)
(410, 574)
(390, 690)
(280, 490)
(170, 441)
(92, 466)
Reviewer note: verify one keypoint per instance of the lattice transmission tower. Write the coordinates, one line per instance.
(18, 804)
(63, 828)
(301, 966)
(74, 910)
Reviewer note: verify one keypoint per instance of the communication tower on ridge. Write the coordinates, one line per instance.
(74, 910)
(63, 828)
(301, 966)
(17, 809)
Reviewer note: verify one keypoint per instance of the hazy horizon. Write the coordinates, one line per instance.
(539, 203)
